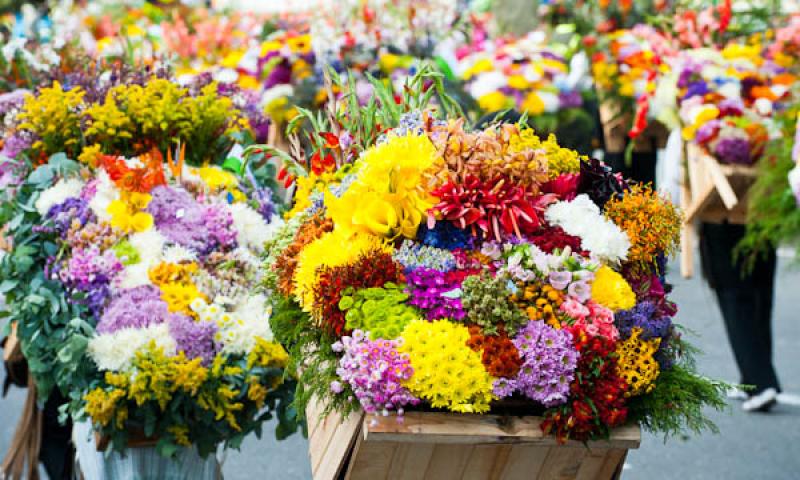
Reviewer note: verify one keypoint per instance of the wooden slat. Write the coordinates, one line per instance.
(615, 459)
(448, 462)
(562, 463)
(370, 461)
(524, 461)
(487, 461)
(592, 464)
(720, 181)
(410, 461)
(330, 443)
(443, 428)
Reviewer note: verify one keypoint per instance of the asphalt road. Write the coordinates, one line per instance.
(749, 446)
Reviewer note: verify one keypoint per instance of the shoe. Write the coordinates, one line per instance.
(761, 402)
(737, 394)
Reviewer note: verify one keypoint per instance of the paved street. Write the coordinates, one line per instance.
(750, 446)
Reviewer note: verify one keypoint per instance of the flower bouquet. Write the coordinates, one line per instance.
(132, 276)
(726, 104)
(532, 75)
(625, 67)
(428, 267)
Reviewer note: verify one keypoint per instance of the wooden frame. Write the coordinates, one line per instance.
(443, 446)
(710, 192)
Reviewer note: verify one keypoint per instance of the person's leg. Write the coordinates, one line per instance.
(745, 303)
(643, 167)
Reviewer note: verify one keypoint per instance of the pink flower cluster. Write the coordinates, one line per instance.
(593, 318)
(375, 372)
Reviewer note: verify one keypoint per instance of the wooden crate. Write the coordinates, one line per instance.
(444, 446)
(616, 126)
(710, 192)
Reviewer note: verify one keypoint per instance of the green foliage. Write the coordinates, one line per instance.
(53, 333)
(311, 355)
(381, 311)
(773, 216)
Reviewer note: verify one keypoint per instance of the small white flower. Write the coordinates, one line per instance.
(115, 351)
(57, 194)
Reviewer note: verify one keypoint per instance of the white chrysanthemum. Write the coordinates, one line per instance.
(251, 228)
(58, 193)
(178, 254)
(106, 193)
(115, 351)
(487, 83)
(250, 320)
(550, 100)
(599, 235)
(149, 245)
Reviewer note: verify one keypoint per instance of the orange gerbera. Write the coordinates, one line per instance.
(140, 179)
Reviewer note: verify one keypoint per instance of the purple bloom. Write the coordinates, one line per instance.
(548, 363)
(137, 307)
(73, 211)
(194, 338)
(375, 371)
(16, 143)
(87, 275)
(281, 74)
(202, 228)
(707, 131)
(696, 88)
(560, 280)
(572, 99)
(429, 289)
(645, 315)
(445, 235)
(733, 150)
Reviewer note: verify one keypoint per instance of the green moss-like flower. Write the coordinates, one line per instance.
(486, 301)
(381, 311)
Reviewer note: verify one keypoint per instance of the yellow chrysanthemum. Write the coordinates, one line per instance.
(533, 104)
(559, 159)
(447, 373)
(494, 101)
(332, 249)
(637, 363)
(179, 297)
(611, 290)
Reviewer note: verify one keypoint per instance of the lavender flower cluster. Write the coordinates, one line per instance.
(375, 372)
(88, 274)
(137, 307)
(73, 211)
(194, 338)
(548, 367)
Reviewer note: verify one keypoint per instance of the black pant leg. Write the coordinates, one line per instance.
(745, 303)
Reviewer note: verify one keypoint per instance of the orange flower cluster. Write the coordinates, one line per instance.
(540, 302)
(500, 357)
(487, 155)
(286, 263)
(140, 179)
(652, 223)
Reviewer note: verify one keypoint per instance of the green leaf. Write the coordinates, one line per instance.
(7, 285)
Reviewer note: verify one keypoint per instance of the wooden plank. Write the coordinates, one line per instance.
(444, 428)
(700, 202)
(592, 464)
(720, 181)
(615, 459)
(329, 446)
(410, 461)
(562, 464)
(487, 461)
(370, 460)
(524, 461)
(448, 462)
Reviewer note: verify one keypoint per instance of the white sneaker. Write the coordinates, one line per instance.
(737, 394)
(761, 402)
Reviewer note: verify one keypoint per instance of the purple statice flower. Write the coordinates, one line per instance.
(194, 338)
(12, 100)
(445, 235)
(137, 307)
(646, 316)
(201, 228)
(73, 211)
(87, 276)
(16, 143)
(263, 196)
(218, 223)
(548, 364)
(571, 99)
(375, 371)
(428, 290)
(733, 150)
(414, 255)
(281, 74)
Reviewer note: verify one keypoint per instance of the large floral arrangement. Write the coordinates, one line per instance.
(132, 276)
(428, 265)
(532, 74)
(727, 100)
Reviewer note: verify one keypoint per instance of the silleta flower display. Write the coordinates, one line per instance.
(447, 268)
